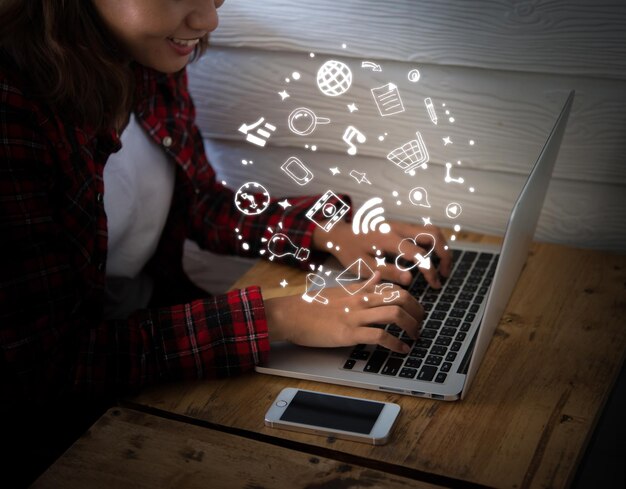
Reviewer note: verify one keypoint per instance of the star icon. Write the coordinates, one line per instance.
(446, 141)
(334, 171)
(284, 204)
(427, 221)
(283, 95)
(284, 283)
(352, 107)
(380, 262)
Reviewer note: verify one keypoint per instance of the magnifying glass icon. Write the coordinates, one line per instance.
(303, 121)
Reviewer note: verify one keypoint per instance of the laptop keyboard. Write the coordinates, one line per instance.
(448, 316)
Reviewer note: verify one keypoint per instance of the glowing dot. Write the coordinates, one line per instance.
(378, 253)
(337, 248)
(445, 247)
(457, 228)
(245, 246)
(240, 237)
(306, 146)
(224, 182)
(458, 162)
(236, 230)
(453, 238)
(412, 173)
(295, 75)
(395, 193)
(472, 189)
(443, 105)
(287, 80)
(447, 112)
(329, 244)
(398, 202)
(344, 45)
(311, 55)
(347, 309)
(384, 228)
(313, 148)
(472, 142)
(365, 299)
(451, 119)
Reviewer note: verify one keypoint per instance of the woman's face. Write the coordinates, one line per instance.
(159, 34)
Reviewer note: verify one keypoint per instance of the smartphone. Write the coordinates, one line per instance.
(344, 417)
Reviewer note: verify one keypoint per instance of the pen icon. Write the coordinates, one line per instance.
(431, 110)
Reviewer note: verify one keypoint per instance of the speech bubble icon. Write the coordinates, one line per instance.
(419, 196)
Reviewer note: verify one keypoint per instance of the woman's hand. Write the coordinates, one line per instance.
(417, 241)
(344, 319)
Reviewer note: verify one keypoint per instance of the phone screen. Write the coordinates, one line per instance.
(333, 412)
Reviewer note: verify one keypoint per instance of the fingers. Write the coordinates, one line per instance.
(395, 314)
(376, 336)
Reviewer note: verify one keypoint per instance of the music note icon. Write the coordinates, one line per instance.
(349, 135)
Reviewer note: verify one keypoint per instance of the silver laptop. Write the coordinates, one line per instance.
(460, 318)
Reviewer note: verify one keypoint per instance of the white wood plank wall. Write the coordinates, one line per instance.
(502, 67)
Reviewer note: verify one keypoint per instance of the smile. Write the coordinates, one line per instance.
(184, 42)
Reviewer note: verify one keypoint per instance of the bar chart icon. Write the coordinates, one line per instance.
(387, 98)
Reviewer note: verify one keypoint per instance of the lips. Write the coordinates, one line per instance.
(184, 42)
(183, 47)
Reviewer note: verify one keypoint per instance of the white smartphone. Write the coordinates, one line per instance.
(344, 417)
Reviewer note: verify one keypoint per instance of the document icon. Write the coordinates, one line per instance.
(388, 99)
(359, 273)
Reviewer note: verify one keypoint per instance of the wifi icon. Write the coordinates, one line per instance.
(369, 217)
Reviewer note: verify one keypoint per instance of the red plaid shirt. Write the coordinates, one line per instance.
(53, 249)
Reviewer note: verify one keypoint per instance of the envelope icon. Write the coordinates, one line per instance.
(359, 273)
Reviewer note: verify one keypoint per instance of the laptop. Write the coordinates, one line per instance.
(460, 318)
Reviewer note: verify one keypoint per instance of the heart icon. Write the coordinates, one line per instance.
(421, 261)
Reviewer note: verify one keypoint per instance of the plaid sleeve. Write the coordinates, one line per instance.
(52, 336)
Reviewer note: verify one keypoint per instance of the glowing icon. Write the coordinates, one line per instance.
(447, 141)
(298, 172)
(421, 261)
(410, 155)
(369, 217)
(349, 135)
(414, 76)
(359, 177)
(357, 273)
(372, 65)
(334, 78)
(379, 289)
(279, 245)
(314, 286)
(352, 107)
(327, 211)
(252, 198)
(264, 132)
(430, 108)
(387, 98)
(335, 170)
(448, 178)
(419, 196)
(283, 95)
(303, 121)
(453, 210)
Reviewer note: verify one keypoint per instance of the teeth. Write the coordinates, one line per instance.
(185, 42)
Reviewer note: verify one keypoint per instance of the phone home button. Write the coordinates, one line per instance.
(281, 403)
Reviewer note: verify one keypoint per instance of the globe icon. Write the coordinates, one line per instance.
(334, 78)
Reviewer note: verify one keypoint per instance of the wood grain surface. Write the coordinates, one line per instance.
(126, 448)
(530, 411)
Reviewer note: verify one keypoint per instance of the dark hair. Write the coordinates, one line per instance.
(66, 57)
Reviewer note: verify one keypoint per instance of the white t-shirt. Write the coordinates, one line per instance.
(138, 187)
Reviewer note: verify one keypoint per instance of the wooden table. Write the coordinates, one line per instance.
(525, 422)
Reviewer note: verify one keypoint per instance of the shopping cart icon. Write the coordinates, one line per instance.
(410, 155)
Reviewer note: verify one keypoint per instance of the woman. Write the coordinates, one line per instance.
(93, 298)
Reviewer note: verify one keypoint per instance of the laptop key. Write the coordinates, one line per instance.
(445, 367)
(479, 299)
(439, 350)
(360, 354)
(466, 327)
(438, 315)
(418, 352)
(433, 324)
(427, 373)
(457, 313)
(470, 316)
(460, 336)
(453, 322)
(413, 362)
(441, 378)
(423, 343)
(392, 366)
(433, 360)
(349, 364)
(450, 357)
(408, 373)
(447, 331)
(461, 305)
(474, 308)
(429, 334)
(443, 341)
(443, 306)
(376, 361)
(456, 346)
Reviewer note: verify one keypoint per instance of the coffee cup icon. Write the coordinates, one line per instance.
(303, 121)
(314, 285)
